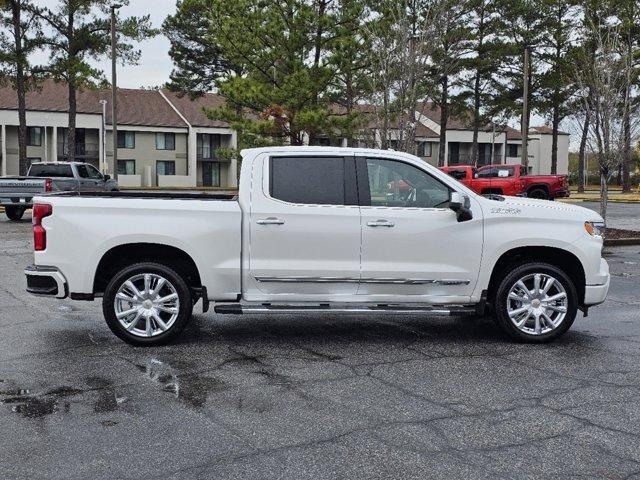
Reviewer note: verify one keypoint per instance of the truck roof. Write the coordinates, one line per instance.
(321, 149)
(58, 163)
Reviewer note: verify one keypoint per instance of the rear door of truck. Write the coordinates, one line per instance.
(304, 227)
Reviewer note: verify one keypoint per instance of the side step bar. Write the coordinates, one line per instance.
(237, 308)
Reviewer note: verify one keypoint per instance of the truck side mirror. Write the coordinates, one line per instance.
(461, 204)
(106, 177)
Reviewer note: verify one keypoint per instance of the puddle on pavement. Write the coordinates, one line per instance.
(191, 388)
(31, 404)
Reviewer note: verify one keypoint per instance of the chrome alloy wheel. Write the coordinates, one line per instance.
(537, 304)
(147, 305)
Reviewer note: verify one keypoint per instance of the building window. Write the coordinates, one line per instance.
(165, 167)
(165, 141)
(126, 167)
(424, 149)
(34, 136)
(512, 150)
(207, 144)
(126, 139)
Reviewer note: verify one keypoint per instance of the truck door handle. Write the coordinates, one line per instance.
(380, 223)
(270, 221)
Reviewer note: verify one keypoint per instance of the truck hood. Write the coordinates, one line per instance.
(532, 207)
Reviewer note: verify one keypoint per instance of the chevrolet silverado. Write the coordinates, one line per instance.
(317, 229)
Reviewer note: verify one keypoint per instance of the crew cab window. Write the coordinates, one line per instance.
(458, 174)
(496, 172)
(399, 184)
(82, 171)
(59, 170)
(310, 180)
(94, 173)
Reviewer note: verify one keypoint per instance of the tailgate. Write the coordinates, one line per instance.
(10, 186)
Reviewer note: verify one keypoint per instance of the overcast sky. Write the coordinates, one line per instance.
(155, 65)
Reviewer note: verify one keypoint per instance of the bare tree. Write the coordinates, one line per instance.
(606, 99)
(402, 38)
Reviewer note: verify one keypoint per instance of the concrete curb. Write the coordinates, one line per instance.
(621, 241)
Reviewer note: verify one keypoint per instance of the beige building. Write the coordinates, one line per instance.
(163, 139)
(502, 145)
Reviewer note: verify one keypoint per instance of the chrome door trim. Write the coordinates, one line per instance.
(371, 280)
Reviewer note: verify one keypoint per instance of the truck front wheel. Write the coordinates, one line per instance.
(14, 213)
(535, 302)
(147, 304)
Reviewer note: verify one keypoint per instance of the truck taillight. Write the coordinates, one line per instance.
(48, 185)
(40, 210)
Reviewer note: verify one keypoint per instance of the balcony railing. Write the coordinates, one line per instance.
(83, 150)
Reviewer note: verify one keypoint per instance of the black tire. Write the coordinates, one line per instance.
(14, 213)
(539, 193)
(500, 299)
(177, 282)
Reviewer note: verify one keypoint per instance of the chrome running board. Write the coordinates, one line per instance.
(238, 308)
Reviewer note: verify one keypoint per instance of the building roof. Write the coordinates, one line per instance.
(545, 130)
(193, 110)
(513, 134)
(137, 107)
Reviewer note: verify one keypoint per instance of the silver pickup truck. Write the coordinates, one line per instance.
(16, 193)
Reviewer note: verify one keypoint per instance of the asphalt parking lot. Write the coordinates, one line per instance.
(315, 396)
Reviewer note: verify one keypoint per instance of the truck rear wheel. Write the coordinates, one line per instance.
(14, 213)
(147, 304)
(540, 193)
(535, 303)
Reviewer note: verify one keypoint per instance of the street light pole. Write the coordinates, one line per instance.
(114, 101)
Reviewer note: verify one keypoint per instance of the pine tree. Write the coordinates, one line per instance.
(19, 38)
(74, 35)
(556, 84)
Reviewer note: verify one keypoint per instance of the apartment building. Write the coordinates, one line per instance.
(496, 144)
(164, 139)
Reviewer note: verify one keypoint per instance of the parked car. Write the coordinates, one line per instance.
(485, 182)
(16, 193)
(544, 187)
(316, 229)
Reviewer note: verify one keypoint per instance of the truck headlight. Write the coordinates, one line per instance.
(595, 229)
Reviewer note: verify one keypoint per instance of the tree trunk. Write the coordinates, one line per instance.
(554, 138)
(71, 131)
(604, 193)
(444, 118)
(582, 153)
(626, 154)
(476, 120)
(20, 84)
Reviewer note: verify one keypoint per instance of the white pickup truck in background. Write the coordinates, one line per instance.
(16, 193)
(318, 229)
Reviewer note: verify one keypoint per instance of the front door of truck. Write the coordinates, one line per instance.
(304, 229)
(413, 247)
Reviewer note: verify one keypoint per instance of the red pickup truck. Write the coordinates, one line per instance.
(498, 181)
(510, 180)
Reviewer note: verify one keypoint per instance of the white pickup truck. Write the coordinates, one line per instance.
(316, 229)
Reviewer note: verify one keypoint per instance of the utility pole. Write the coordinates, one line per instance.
(525, 110)
(114, 101)
(103, 145)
